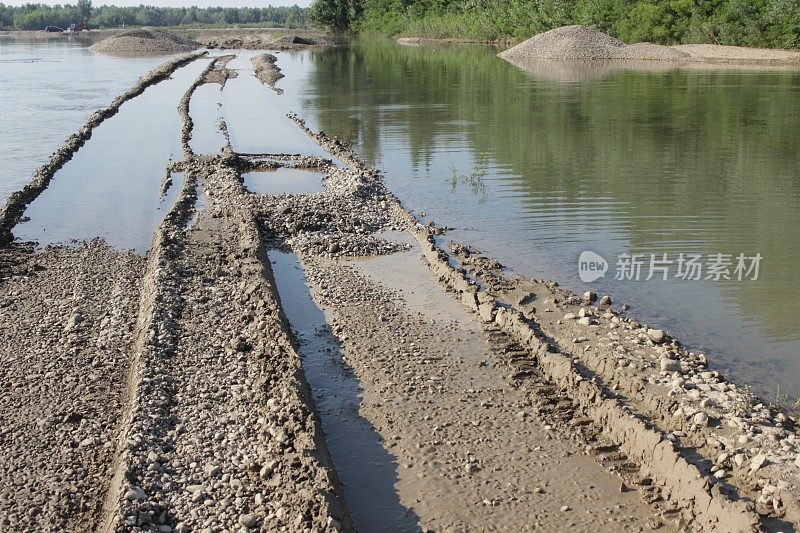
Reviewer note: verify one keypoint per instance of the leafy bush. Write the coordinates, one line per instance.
(771, 23)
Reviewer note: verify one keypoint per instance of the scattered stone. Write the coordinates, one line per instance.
(700, 419)
(248, 520)
(670, 365)
(656, 335)
(758, 462)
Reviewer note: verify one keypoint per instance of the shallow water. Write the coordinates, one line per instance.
(111, 187)
(367, 471)
(256, 116)
(48, 88)
(284, 180)
(205, 108)
(607, 160)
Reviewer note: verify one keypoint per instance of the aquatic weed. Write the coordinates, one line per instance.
(475, 179)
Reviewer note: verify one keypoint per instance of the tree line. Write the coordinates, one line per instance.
(37, 16)
(768, 23)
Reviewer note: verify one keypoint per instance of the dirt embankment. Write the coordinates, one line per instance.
(265, 41)
(145, 40)
(580, 43)
(267, 70)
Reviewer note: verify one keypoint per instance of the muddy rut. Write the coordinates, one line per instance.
(419, 386)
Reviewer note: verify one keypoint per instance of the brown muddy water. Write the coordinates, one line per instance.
(533, 168)
(368, 472)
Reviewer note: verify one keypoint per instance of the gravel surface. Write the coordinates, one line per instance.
(145, 40)
(67, 318)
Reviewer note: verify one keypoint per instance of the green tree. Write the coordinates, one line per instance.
(85, 9)
(332, 14)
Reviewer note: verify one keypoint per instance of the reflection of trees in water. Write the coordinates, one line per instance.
(706, 160)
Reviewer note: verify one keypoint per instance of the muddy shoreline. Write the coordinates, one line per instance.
(492, 398)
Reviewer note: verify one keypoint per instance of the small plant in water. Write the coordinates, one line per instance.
(781, 397)
(475, 179)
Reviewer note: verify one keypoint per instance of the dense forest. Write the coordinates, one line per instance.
(769, 23)
(37, 16)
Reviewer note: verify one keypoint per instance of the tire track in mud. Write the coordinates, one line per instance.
(701, 502)
(221, 429)
(215, 425)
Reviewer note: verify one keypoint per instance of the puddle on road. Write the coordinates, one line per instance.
(284, 180)
(256, 116)
(367, 471)
(205, 108)
(406, 273)
(171, 193)
(111, 187)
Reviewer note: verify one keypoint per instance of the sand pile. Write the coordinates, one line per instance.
(583, 43)
(263, 41)
(145, 40)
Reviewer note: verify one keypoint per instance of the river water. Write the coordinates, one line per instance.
(533, 168)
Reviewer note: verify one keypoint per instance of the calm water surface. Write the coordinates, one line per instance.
(48, 88)
(594, 159)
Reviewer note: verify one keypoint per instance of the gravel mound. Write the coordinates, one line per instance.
(567, 42)
(583, 43)
(145, 40)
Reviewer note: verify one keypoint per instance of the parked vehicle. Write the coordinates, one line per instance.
(53, 29)
(75, 28)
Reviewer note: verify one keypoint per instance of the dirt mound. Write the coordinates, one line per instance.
(263, 41)
(567, 42)
(582, 43)
(145, 40)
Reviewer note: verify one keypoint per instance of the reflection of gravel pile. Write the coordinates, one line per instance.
(145, 40)
(582, 43)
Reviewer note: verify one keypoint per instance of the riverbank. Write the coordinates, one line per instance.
(138, 39)
(575, 44)
(581, 43)
(492, 395)
(768, 24)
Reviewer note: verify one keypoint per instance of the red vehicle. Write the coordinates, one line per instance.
(75, 28)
